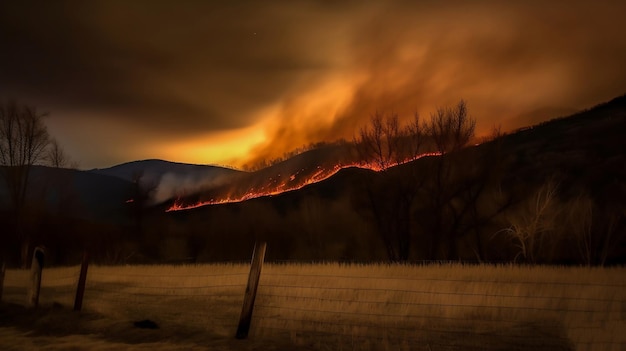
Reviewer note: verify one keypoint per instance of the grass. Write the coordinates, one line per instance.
(329, 307)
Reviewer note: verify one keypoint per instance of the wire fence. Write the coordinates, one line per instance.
(434, 313)
(58, 286)
(357, 307)
(195, 296)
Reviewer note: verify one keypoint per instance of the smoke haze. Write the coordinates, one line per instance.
(234, 83)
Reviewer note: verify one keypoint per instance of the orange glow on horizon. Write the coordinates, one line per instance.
(297, 119)
(223, 148)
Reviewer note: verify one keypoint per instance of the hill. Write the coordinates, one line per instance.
(480, 203)
(308, 167)
(472, 205)
(168, 180)
(75, 194)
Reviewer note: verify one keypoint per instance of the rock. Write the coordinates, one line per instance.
(146, 324)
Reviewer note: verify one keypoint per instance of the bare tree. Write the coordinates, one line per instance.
(531, 225)
(56, 155)
(450, 193)
(23, 141)
(415, 133)
(385, 143)
(451, 128)
(379, 143)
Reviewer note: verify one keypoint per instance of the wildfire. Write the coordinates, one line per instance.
(278, 185)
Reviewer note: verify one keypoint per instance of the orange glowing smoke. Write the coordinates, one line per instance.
(278, 185)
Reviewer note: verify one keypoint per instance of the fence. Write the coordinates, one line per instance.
(361, 307)
(441, 313)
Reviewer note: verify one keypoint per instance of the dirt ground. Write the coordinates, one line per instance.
(60, 328)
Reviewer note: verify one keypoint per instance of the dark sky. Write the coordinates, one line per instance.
(229, 82)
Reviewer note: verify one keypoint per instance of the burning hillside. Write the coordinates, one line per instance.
(306, 168)
(382, 144)
(254, 185)
(276, 184)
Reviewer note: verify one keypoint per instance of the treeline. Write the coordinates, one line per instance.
(553, 194)
(24, 143)
(542, 196)
(534, 200)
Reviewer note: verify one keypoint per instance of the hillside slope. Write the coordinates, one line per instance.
(169, 180)
(351, 214)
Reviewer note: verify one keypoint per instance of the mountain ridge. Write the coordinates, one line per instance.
(351, 213)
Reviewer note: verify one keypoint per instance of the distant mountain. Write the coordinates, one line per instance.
(151, 170)
(75, 194)
(336, 213)
(169, 179)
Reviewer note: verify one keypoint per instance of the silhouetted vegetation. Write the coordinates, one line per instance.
(23, 142)
(384, 144)
(459, 203)
(552, 193)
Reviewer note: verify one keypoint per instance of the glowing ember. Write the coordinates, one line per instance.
(274, 186)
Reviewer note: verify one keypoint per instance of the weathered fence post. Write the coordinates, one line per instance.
(35, 275)
(2, 271)
(80, 289)
(253, 282)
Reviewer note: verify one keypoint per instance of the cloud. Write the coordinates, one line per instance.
(299, 71)
(507, 60)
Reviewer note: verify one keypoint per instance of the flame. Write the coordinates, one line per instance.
(275, 185)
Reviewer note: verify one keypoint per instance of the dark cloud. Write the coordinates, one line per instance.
(155, 73)
(185, 67)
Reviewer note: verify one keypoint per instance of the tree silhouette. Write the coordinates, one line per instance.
(380, 142)
(450, 130)
(23, 141)
(56, 155)
(532, 225)
(384, 144)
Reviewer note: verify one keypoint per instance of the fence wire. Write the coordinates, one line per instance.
(58, 286)
(193, 296)
(378, 312)
(351, 311)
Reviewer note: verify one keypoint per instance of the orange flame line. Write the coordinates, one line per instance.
(320, 175)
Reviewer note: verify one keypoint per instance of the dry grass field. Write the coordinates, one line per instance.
(322, 307)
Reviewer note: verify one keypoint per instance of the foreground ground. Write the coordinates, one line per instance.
(60, 328)
(322, 307)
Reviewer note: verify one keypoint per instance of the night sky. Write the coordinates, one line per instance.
(231, 82)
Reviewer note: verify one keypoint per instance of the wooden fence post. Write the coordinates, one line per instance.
(80, 289)
(36, 269)
(2, 271)
(253, 282)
